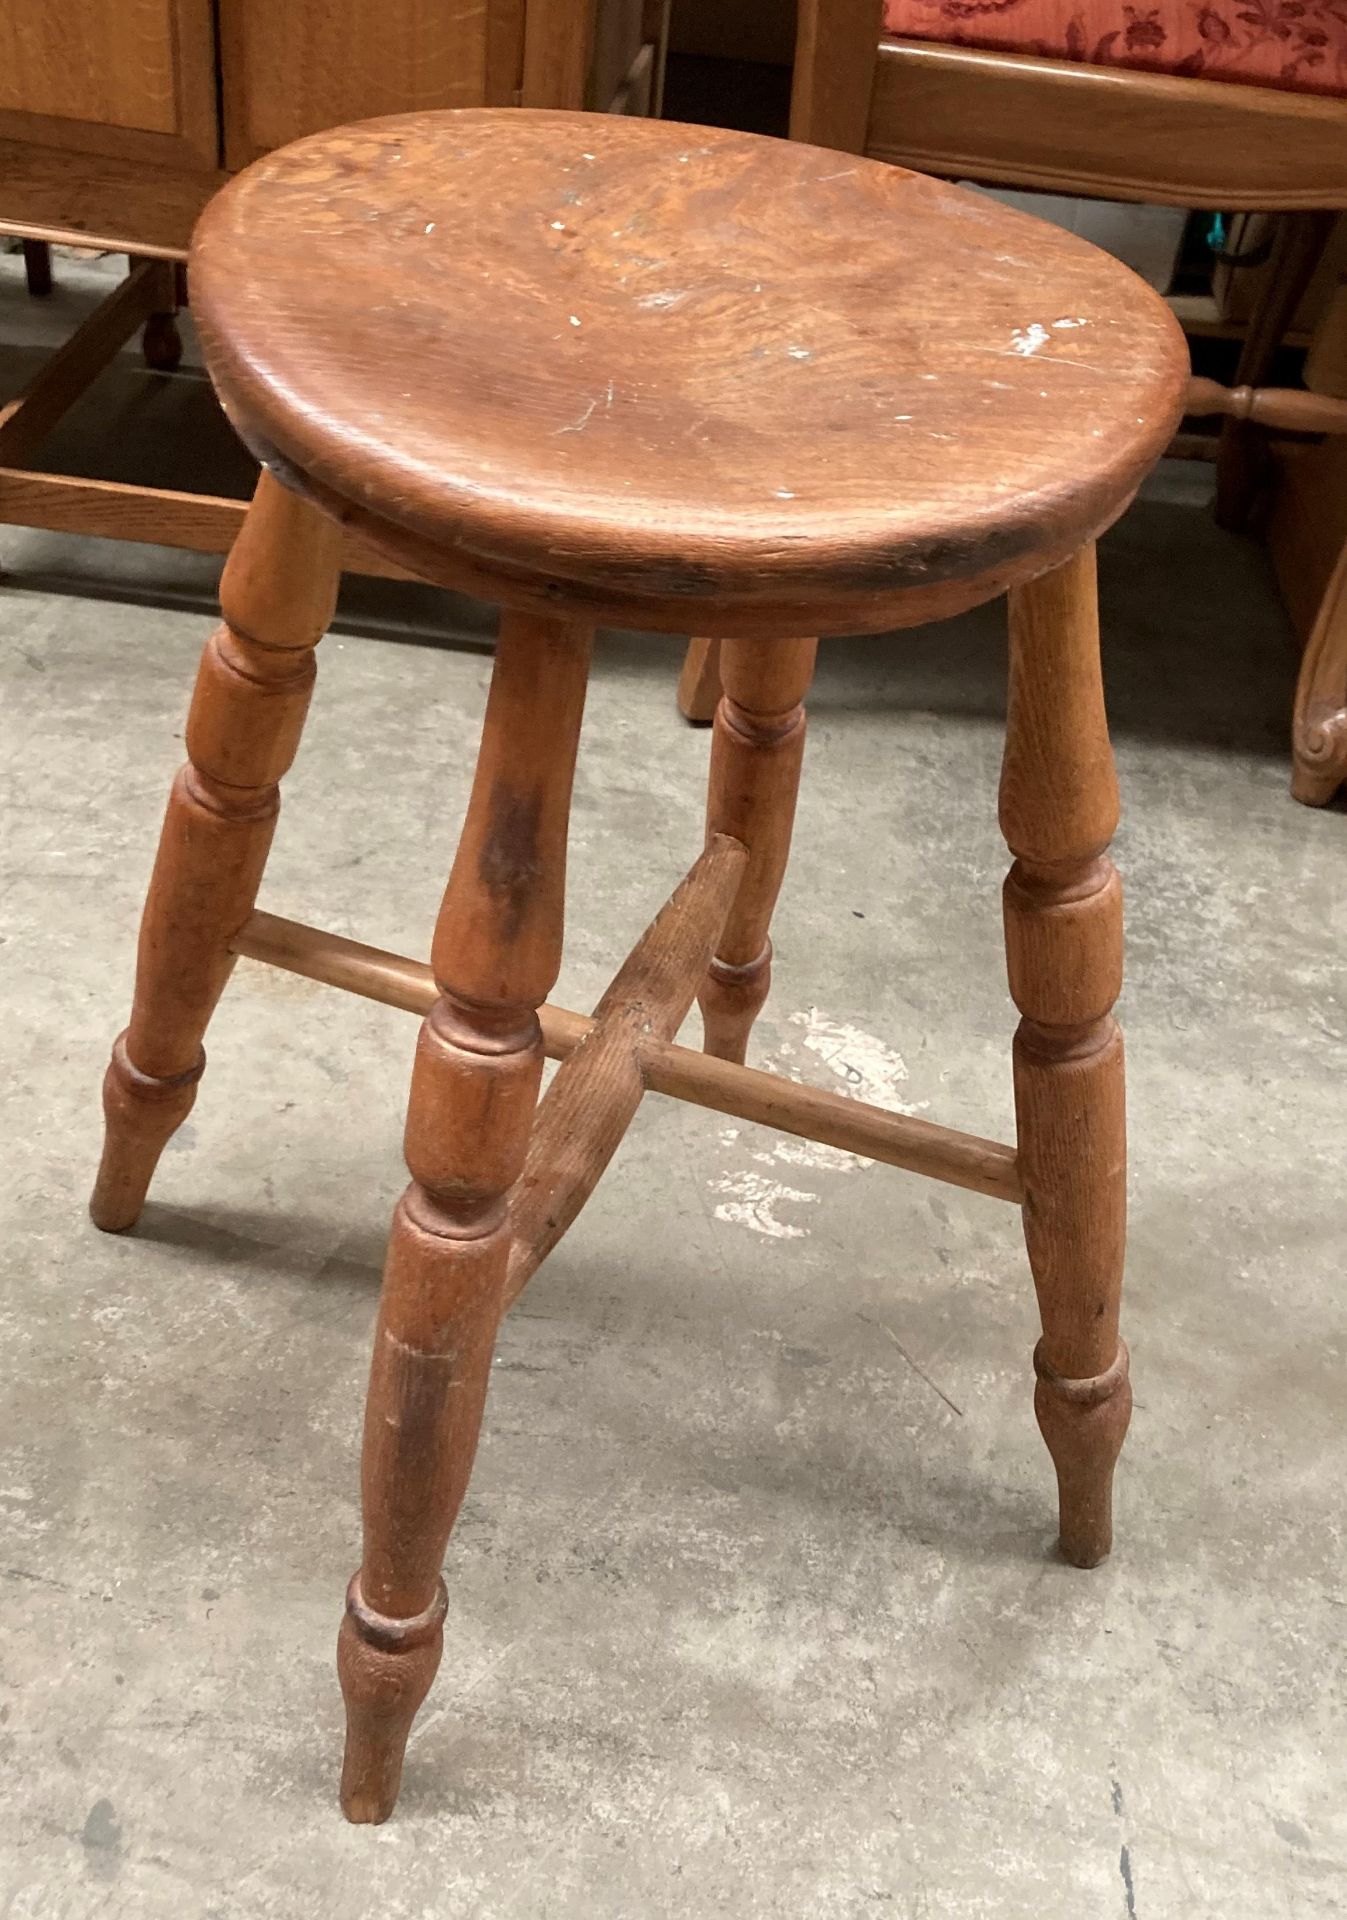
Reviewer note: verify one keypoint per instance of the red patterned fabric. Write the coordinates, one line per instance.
(1299, 44)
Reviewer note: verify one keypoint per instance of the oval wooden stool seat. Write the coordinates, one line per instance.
(604, 369)
(677, 375)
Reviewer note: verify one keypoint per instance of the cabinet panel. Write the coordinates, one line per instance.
(620, 28)
(131, 78)
(294, 68)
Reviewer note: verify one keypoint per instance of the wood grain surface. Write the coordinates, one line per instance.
(294, 69)
(1067, 127)
(671, 375)
(114, 63)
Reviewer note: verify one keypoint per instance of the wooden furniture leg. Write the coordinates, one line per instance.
(248, 709)
(26, 420)
(496, 954)
(1319, 741)
(161, 342)
(699, 682)
(756, 750)
(37, 267)
(1063, 925)
(1300, 239)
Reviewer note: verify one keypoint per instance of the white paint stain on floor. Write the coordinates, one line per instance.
(751, 1200)
(867, 1069)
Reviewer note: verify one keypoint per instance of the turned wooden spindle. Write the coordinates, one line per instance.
(757, 747)
(1291, 409)
(1298, 243)
(699, 682)
(1063, 926)
(495, 956)
(247, 713)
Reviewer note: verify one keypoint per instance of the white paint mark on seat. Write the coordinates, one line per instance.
(1027, 340)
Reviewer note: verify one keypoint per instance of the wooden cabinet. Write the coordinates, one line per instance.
(131, 78)
(291, 69)
(110, 136)
(108, 108)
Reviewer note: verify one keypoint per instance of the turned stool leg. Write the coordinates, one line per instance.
(756, 751)
(252, 693)
(1063, 922)
(699, 682)
(496, 955)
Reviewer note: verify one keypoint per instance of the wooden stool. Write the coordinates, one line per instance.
(683, 380)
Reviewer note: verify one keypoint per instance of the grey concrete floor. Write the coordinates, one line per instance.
(753, 1604)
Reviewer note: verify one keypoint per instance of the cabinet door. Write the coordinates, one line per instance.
(133, 79)
(296, 66)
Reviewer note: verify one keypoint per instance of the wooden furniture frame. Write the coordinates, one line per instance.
(574, 499)
(1070, 128)
(206, 523)
(124, 190)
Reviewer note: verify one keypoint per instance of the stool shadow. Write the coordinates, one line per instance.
(973, 1516)
(243, 1239)
(969, 1516)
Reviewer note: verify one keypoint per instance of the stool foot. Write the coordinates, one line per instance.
(757, 749)
(141, 1115)
(1084, 1423)
(386, 1668)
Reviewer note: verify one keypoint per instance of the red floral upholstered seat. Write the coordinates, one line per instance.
(1299, 44)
